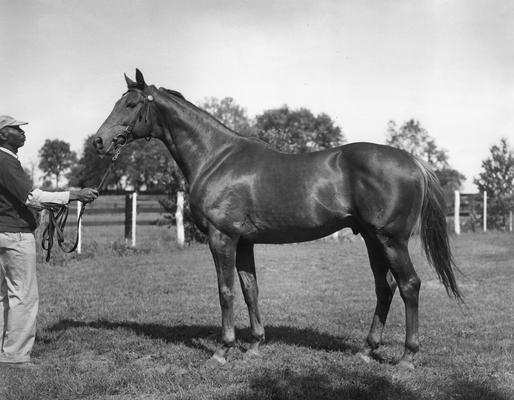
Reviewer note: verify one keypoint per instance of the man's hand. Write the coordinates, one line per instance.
(85, 195)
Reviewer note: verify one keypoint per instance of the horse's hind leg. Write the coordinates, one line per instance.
(245, 265)
(385, 287)
(397, 253)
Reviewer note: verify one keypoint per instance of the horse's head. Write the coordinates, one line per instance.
(133, 117)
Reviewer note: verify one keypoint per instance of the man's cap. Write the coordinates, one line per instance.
(6, 120)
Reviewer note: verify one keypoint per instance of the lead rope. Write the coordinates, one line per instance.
(58, 215)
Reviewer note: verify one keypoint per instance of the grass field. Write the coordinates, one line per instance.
(117, 323)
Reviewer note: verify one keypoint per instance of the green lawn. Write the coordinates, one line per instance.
(117, 323)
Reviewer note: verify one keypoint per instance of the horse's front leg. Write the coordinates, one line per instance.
(223, 249)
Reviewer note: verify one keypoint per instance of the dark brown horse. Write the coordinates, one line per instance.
(243, 192)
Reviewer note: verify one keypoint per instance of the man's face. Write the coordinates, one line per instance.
(12, 137)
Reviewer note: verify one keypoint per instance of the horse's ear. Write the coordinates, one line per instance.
(140, 80)
(130, 82)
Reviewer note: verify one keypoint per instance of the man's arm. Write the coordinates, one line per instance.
(40, 198)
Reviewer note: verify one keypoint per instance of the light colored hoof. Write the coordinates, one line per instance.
(364, 357)
(252, 353)
(406, 365)
(214, 362)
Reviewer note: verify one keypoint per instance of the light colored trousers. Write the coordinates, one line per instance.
(19, 298)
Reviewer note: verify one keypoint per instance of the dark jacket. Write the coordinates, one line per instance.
(15, 187)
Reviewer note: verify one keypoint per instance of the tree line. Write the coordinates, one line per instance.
(149, 166)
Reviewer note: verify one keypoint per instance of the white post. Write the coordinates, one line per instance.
(510, 221)
(179, 218)
(456, 213)
(134, 212)
(485, 212)
(79, 228)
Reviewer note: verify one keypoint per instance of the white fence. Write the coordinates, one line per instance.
(458, 212)
(130, 211)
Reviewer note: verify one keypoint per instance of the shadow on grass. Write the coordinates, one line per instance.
(355, 385)
(319, 386)
(189, 334)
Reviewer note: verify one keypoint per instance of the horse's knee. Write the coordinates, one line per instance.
(410, 289)
(226, 296)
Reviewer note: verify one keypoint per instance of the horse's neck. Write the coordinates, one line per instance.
(196, 142)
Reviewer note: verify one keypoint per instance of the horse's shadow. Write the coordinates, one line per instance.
(191, 335)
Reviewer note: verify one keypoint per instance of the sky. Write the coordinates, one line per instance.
(447, 63)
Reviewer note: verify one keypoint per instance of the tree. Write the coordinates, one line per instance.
(56, 158)
(151, 167)
(229, 113)
(413, 138)
(297, 131)
(497, 179)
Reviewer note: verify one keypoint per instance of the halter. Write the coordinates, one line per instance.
(127, 132)
(58, 214)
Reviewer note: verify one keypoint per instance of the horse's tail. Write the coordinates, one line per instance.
(434, 231)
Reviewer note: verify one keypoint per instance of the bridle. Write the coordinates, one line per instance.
(58, 214)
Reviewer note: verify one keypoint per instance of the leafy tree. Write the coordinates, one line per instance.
(151, 167)
(413, 138)
(297, 131)
(229, 113)
(56, 158)
(497, 179)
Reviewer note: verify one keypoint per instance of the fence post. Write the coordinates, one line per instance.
(485, 212)
(456, 213)
(79, 228)
(179, 218)
(130, 218)
(510, 221)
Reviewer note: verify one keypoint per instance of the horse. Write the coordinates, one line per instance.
(243, 192)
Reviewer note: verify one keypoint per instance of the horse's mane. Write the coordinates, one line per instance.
(179, 95)
(173, 93)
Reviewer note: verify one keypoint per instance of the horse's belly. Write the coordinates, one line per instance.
(293, 232)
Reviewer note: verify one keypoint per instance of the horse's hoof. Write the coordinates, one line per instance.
(215, 362)
(252, 353)
(364, 357)
(406, 365)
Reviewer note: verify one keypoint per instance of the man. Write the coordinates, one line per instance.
(18, 284)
